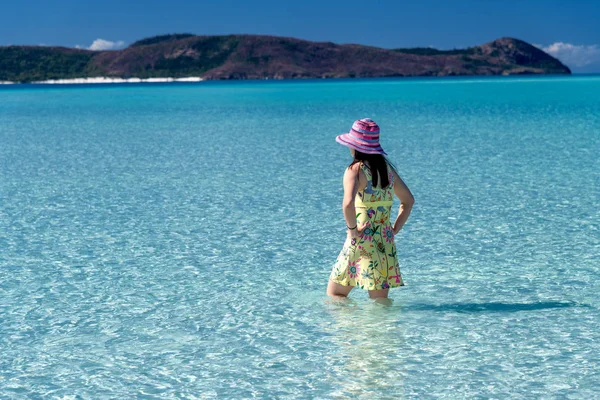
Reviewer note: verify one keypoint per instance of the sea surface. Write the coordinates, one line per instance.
(166, 241)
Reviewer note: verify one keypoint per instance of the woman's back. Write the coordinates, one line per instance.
(373, 209)
(376, 195)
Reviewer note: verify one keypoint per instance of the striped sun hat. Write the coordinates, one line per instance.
(364, 137)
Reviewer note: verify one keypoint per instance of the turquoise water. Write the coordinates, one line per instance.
(175, 241)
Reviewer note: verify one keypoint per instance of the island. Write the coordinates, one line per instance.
(188, 57)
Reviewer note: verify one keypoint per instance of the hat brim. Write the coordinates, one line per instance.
(346, 140)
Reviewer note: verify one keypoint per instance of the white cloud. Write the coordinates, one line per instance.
(573, 54)
(101, 44)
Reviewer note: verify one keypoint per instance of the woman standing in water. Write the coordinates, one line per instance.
(368, 258)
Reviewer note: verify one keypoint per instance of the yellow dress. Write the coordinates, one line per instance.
(371, 263)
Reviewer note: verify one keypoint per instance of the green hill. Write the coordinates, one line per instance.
(260, 57)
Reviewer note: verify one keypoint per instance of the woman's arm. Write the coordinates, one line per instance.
(351, 184)
(406, 202)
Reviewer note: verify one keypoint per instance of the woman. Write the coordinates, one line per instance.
(368, 258)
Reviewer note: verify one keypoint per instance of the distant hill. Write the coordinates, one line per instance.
(261, 57)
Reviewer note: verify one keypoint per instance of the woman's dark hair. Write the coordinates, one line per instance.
(375, 163)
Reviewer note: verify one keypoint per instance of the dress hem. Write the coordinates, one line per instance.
(358, 285)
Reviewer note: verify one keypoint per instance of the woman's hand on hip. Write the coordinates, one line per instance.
(356, 233)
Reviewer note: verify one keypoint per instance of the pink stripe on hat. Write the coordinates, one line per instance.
(363, 136)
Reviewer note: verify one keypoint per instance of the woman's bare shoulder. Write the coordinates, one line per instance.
(355, 171)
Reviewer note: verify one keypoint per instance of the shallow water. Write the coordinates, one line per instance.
(174, 241)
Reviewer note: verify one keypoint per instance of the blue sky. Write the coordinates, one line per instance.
(569, 30)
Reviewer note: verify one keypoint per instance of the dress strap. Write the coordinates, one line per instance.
(366, 170)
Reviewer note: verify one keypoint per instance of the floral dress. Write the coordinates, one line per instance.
(371, 263)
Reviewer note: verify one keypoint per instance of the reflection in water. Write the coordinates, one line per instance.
(369, 339)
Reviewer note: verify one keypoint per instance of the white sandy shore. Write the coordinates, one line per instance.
(102, 79)
(6, 83)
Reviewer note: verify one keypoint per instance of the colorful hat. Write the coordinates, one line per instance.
(364, 137)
